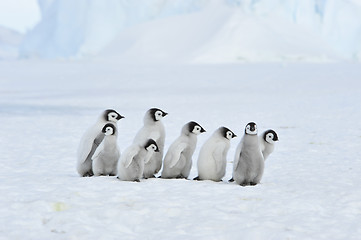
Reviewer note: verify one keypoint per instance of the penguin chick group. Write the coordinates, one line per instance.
(98, 152)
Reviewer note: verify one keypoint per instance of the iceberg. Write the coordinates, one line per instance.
(199, 31)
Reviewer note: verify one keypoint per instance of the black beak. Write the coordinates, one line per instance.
(234, 135)
(202, 130)
(120, 117)
(165, 114)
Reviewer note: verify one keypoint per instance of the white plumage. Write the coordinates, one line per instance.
(106, 156)
(91, 140)
(212, 158)
(178, 160)
(153, 129)
(131, 164)
(248, 162)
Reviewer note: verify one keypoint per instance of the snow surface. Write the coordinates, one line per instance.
(310, 189)
(202, 31)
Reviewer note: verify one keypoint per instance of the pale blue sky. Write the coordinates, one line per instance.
(20, 15)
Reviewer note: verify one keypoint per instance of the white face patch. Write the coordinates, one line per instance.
(152, 147)
(248, 130)
(269, 138)
(197, 130)
(158, 115)
(109, 131)
(112, 116)
(229, 135)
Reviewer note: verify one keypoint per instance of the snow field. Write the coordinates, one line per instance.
(309, 188)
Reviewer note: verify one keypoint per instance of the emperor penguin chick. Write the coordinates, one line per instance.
(212, 158)
(267, 142)
(248, 162)
(178, 160)
(91, 140)
(131, 163)
(153, 129)
(106, 156)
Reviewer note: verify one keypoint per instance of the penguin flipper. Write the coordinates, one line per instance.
(95, 145)
(98, 139)
(176, 156)
(87, 147)
(236, 161)
(262, 143)
(237, 155)
(130, 156)
(96, 152)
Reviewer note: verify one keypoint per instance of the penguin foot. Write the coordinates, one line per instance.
(243, 184)
(136, 180)
(88, 174)
(180, 176)
(231, 180)
(197, 178)
(153, 176)
(253, 183)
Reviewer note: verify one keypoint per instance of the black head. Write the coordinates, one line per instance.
(109, 129)
(153, 144)
(251, 129)
(227, 133)
(112, 115)
(157, 114)
(195, 128)
(270, 136)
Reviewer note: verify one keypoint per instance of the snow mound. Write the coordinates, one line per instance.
(200, 31)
